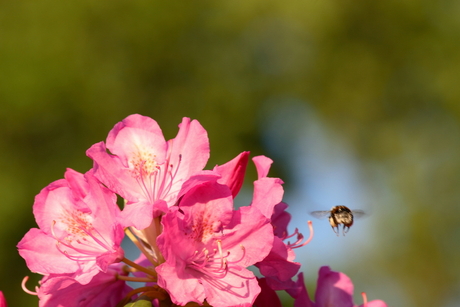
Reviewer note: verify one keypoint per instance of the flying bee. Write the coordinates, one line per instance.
(339, 215)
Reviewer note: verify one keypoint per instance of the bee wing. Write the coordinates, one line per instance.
(320, 214)
(358, 213)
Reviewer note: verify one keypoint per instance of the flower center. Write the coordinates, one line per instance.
(81, 241)
(155, 179)
(142, 164)
(212, 263)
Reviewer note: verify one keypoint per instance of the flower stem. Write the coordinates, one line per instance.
(139, 267)
(139, 245)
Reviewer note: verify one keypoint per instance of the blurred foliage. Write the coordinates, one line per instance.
(383, 74)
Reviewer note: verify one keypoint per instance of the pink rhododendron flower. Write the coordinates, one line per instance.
(207, 247)
(300, 294)
(267, 297)
(195, 248)
(103, 290)
(79, 232)
(279, 266)
(146, 170)
(333, 289)
(2, 300)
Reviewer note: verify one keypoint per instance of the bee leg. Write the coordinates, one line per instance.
(345, 230)
(336, 230)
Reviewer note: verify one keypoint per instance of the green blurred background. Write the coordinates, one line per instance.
(349, 97)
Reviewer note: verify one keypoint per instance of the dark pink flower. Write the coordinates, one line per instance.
(146, 170)
(208, 246)
(2, 300)
(336, 289)
(79, 232)
(299, 292)
(279, 266)
(267, 297)
(103, 290)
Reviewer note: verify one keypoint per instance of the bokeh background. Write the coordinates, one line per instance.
(356, 101)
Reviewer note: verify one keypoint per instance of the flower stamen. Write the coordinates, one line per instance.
(300, 237)
(24, 288)
(363, 294)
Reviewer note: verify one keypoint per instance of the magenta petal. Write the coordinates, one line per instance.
(333, 289)
(300, 294)
(277, 264)
(233, 172)
(2, 300)
(267, 297)
(280, 220)
(198, 179)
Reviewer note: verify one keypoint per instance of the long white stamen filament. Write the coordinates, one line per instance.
(23, 286)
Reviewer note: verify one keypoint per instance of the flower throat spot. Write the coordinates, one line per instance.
(142, 164)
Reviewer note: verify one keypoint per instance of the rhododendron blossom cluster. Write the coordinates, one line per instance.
(195, 246)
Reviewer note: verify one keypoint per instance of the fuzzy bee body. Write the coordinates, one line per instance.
(339, 215)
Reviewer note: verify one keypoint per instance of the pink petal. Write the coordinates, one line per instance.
(136, 133)
(208, 205)
(182, 286)
(140, 214)
(111, 171)
(300, 294)
(189, 150)
(268, 192)
(41, 255)
(263, 164)
(251, 230)
(233, 172)
(333, 289)
(237, 288)
(277, 265)
(198, 179)
(76, 183)
(103, 290)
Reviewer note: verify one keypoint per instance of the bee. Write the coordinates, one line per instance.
(339, 215)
